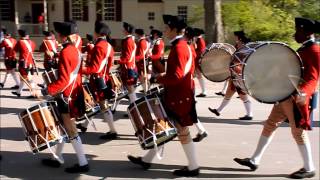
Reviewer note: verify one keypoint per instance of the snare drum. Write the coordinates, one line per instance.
(92, 108)
(150, 122)
(214, 63)
(159, 90)
(267, 71)
(41, 126)
(50, 76)
(118, 87)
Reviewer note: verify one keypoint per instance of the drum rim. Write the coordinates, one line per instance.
(140, 100)
(32, 108)
(264, 43)
(206, 51)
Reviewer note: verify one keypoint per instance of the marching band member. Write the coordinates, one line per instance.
(127, 62)
(189, 35)
(75, 38)
(27, 65)
(71, 103)
(141, 53)
(157, 52)
(10, 61)
(89, 47)
(241, 40)
(49, 47)
(200, 48)
(98, 67)
(296, 108)
(179, 99)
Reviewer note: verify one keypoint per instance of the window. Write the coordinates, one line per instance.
(183, 11)
(109, 10)
(79, 10)
(7, 10)
(151, 16)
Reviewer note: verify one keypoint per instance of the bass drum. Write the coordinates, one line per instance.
(267, 71)
(214, 63)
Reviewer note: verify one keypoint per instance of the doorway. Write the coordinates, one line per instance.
(37, 9)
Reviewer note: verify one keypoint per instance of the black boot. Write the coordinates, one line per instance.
(185, 172)
(1, 85)
(77, 169)
(83, 129)
(214, 111)
(15, 93)
(246, 162)
(109, 136)
(138, 160)
(199, 137)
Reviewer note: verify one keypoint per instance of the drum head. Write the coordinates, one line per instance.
(272, 72)
(215, 63)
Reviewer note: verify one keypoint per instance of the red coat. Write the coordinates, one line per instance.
(200, 48)
(69, 82)
(194, 55)
(99, 65)
(310, 55)
(142, 49)
(178, 83)
(25, 47)
(128, 52)
(88, 48)
(9, 44)
(157, 50)
(48, 44)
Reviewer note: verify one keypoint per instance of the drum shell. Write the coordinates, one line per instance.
(214, 62)
(244, 58)
(42, 120)
(50, 76)
(145, 126)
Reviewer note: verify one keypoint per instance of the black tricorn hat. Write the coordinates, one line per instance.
(174, 21)
(139, 31)
(198, 31)
(307, 24)
(89, 37)
(102, 28)
(65, 28)
(189, 32)
(155, 31)
(22, 32)
(128, 27)
(47, 33)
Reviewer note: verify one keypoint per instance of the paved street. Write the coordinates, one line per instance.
(228, 138)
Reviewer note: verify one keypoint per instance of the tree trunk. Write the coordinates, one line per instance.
(213, 21)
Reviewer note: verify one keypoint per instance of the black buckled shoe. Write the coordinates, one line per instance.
(41, 85)
(1, 85)
(302, 173)
(15, 93)
(214, 111)
(15, 87)
(185, 172)
(201, 95)
(138, 160)
(51, 163)
(220, 94)
(246, 162)
(77, 169)
(109, 136)
(83, 129)
(199, 137)
(246, 117)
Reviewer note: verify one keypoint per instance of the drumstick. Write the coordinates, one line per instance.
(295, 85)
(28, 84)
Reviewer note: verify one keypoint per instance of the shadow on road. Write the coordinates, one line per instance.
(27, 166)
(12, 133)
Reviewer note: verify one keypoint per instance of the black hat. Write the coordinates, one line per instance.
(198, 31)
(4, 30)
(239, 33)
(139, 31)
(128, 27)
(65, 28)
(189, 32)
(155, 31)
(102, 28)
(174, 21)
(306, 24)
(47, 33)
(22, 32)
(89, 37)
